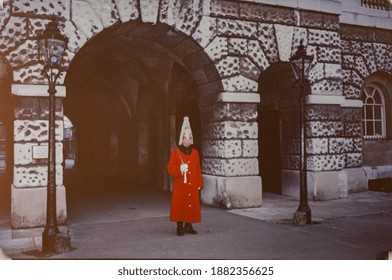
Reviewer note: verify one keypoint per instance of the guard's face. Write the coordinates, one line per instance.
(187, 138)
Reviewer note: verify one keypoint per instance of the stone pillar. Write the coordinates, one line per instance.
(230, 150)
(333, 147)
(29, 188)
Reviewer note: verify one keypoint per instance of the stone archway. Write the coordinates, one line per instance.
(125, 94)
(183, 31)
(222, 45)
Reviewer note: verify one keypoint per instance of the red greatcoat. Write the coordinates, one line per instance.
(185, 206)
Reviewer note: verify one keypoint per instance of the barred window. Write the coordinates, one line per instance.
(373, 113)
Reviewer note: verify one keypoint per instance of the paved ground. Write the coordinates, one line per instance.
(136, 226)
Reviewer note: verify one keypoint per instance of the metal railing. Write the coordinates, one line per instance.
(377, 4)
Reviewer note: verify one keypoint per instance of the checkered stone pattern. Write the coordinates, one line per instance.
(231, 130)
(252, 50)
(218, 48)
(233, 111)
(19, 50)
(249, 69)
(284, 39)
(35, 176)
(31, 132)
(241, 38)
(237, 28)
(324, 138)
(222, 148)
(189, 15)
(229, 66)
(325, 76)
(362, 55)
(333, 137)
(81, 20)
(239, 83)
(268, 42)
(257, 55)
(325, 162)
(15, 31)
(353, 144)
(369, 56)
(327, 87)
(311, 19)
(230, 145)
(205, 31)
(261, 34)
(224, 9)
(230, 167)
(329, 55)
(48, 7)
(238, 46)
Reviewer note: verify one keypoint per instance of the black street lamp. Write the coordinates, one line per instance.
(301, 64)
(51, 49)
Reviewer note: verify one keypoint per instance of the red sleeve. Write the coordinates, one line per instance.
(173, 167)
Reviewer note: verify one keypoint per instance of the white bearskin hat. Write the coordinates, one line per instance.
(185, 126)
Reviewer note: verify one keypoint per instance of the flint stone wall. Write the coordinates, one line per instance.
(29, 188)
(31, 130)
(241, 40)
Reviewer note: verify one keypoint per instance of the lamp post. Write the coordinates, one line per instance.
(51, 49)
(300, 63)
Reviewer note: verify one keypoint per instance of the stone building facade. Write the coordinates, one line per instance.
(134, 66)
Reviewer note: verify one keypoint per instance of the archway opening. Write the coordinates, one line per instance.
(279, 102)
(6, 139)
(128, 89)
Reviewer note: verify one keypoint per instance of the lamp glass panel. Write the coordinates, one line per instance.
(52, 51)
(296, 66)
(43, 57)
(307, 63)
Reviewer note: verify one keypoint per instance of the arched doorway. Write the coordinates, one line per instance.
(276, 140)
(128, 89)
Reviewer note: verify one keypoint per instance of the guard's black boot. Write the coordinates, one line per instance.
(189, 229)
(180, 228)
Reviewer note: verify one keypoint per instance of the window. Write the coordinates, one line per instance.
(373, 112)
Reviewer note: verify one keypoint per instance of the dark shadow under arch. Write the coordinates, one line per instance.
(122, 87)
(275, 88)
(6, 137)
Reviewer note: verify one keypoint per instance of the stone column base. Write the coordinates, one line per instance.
(232, 192)
(377, 172)
(28, 207)
(325, 185)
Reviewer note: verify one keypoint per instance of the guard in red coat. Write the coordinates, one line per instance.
(184, 166)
